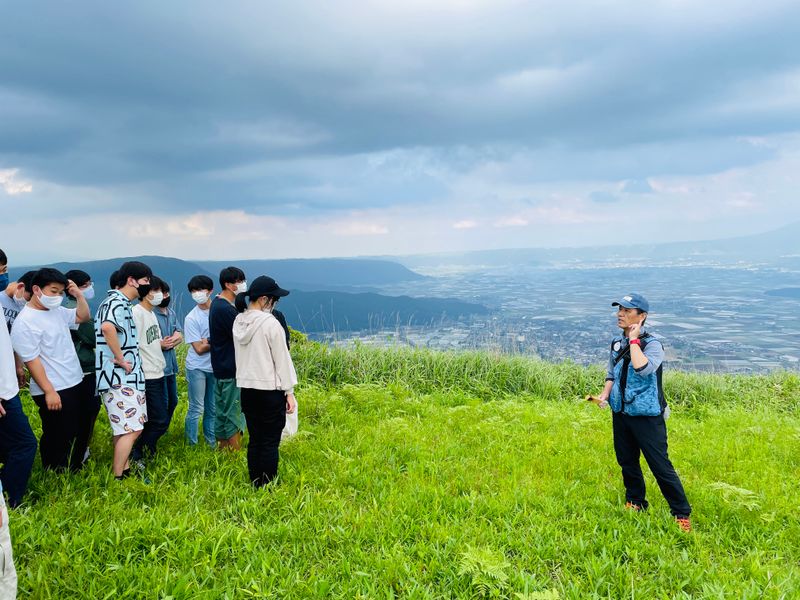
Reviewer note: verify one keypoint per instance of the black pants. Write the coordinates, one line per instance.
(647, 435)
(60, 430)
(157, 424)
(265, 412)
(90, 406)
(17, 450)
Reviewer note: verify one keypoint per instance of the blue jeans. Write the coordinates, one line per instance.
(17, 450)
(157, 419)
(201, 402)
(171, 390)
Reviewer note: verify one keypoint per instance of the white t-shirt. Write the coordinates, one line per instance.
(45, 333)
(195, 328)
(149, 333)
(8, 371)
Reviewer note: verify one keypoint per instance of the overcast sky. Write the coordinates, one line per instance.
(339, 128)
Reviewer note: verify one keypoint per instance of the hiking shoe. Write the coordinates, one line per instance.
(634, 507)
(685, 523)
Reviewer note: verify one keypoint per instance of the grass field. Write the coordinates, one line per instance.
(423, 475)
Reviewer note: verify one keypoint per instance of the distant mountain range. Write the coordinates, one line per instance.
(781, 246)
(793, 292)
(319, 299)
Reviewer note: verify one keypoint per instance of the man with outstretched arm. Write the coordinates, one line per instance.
(634, 390)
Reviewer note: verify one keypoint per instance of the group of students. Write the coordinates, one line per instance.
(238, 370)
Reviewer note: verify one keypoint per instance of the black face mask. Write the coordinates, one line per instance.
(165, 302)
(143, 289)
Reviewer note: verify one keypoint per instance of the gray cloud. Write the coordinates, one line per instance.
(305, 108)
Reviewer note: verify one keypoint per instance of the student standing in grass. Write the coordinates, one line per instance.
(120, 378)
(230, 422)
(84, 341)
(153, 365)
(199, 373)
(13, 297)
(172, 337)
(633, 389)
(17, 442)
(41, 337)
(265, 373)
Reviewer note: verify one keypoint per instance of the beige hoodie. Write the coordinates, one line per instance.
(262, 358)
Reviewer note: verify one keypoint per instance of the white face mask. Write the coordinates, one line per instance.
(200, 297)
(21, 302)
(158, 298)
(241, 288)
(50, 302)
(88, 293)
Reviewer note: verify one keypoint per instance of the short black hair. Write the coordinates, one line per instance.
(164, 286)
(135, 269)
(46, 276)
(26, 280)
(79, 277)
(3, 258)
(113, 280)
(156, 284)
(200, 282)
(230, 275)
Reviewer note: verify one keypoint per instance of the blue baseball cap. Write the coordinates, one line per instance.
(633, 301)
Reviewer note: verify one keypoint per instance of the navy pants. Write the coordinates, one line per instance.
(265, 412)
(171, 390)
(17, 450)
(647, 435)
(157, 418)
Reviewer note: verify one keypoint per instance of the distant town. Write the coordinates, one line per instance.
(712, 318)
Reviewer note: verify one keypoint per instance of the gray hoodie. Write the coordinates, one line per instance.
(262, 357)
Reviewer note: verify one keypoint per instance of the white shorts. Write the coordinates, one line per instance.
(126, 408)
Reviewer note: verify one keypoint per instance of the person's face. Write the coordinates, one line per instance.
(51, 289)
(3, 269)
(22, 293)
(85, 286)
(628, 316)
(233, 287)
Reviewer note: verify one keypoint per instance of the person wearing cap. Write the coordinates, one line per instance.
(265, 375)
(634, 391)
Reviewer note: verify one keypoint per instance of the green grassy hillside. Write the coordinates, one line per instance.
(428, 475)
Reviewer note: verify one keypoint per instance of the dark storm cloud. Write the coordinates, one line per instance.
(264, 107)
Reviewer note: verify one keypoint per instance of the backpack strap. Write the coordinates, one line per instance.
(625, 357)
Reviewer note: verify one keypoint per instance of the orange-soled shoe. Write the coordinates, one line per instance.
(633, 507)
(685, 523)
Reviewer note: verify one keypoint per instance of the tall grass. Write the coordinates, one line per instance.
(489, 375)
(420, 474)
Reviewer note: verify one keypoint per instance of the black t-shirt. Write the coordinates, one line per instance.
(220, 329)
(282, 320)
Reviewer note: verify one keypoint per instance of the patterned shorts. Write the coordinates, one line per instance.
(126, 408)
